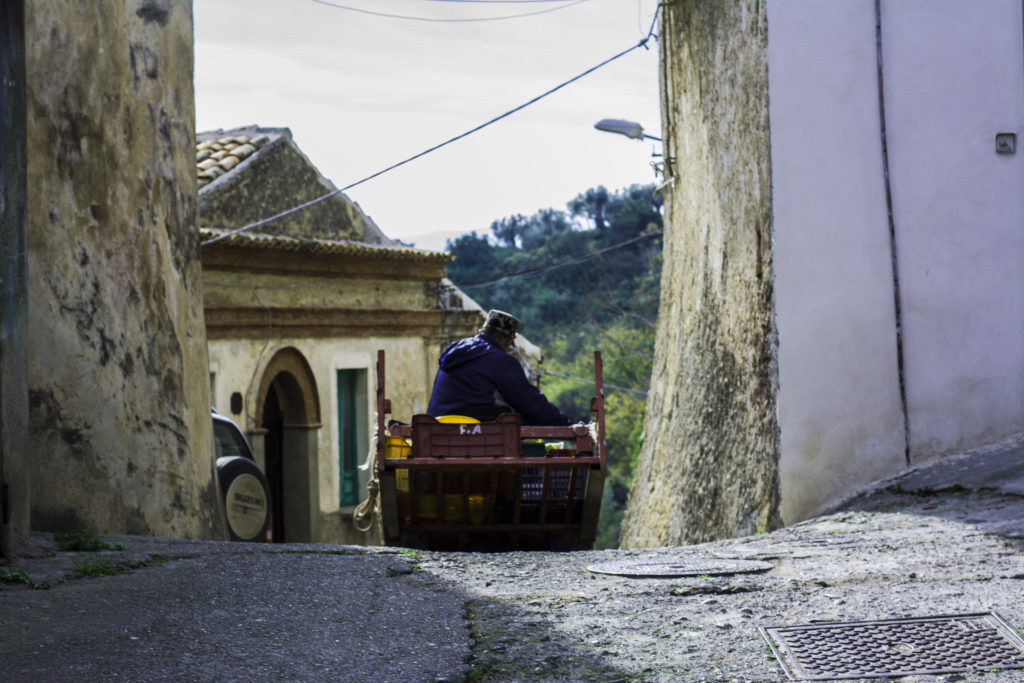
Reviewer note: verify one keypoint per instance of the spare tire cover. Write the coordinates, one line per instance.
(246, 498)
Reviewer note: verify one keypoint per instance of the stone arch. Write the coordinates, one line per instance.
(292, 378)
(288, 416)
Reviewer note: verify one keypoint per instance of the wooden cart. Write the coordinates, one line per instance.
(489, 486)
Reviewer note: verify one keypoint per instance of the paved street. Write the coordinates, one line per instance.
(946, 540)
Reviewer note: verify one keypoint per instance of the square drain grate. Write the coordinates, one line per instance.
(896, 647)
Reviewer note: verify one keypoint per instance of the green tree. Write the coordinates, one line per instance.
(556, 268)
(590, 204)
(582, 279)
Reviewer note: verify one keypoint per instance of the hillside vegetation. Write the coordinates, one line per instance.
(579, 280)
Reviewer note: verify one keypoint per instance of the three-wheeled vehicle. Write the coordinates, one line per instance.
(453, 483)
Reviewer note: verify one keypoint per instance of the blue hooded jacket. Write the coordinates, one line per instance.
(472, 370)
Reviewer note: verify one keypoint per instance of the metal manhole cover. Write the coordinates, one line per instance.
(679, 567)
(896, 647)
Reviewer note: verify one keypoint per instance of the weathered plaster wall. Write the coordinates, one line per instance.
(900, 334)
(121, 438)
(708, 467)
(234, 289)
(239, 364)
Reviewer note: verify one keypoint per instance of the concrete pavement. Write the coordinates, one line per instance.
(944, 539)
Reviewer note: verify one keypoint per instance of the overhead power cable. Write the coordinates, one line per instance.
(448, 21)
(541, 270)
(545, 371)
(300, 207)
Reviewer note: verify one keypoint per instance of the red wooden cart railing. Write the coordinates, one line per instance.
(490, 485)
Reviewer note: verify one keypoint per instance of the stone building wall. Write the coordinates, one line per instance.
(120, 431)
(310, 310)
(708, 467)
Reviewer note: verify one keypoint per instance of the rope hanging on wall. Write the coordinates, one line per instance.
(369, 510)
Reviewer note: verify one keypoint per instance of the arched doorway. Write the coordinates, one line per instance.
(288, 410)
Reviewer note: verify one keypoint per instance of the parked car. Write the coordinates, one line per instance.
(243, 487)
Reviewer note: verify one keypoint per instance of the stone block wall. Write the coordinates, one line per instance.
(120, 433)
(708, 468)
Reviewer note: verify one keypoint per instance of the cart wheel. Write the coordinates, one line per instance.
(246, 498)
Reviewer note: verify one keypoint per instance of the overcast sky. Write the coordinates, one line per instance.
(361, 92)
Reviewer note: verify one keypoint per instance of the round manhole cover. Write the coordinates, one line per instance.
(679, 567)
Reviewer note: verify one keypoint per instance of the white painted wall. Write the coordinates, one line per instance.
(954, 74)
(953, 79)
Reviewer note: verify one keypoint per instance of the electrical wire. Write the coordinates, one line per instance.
(654, 21)
(541, 270)
(642, 43)
(523, 273)
(531, 272)
(447, 21)
(545, 371)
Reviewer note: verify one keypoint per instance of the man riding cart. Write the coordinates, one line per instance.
(494, 465)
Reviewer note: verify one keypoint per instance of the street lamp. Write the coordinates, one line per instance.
(628, 128)
(634, 130)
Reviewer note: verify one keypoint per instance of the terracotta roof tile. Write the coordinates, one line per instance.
(215, 157)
